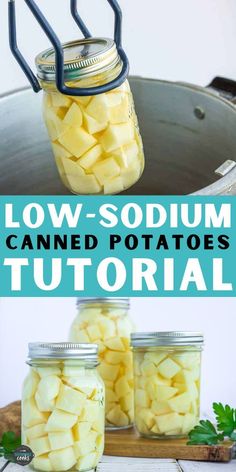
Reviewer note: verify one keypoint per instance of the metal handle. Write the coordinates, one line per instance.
(59, 53)
(226, 87)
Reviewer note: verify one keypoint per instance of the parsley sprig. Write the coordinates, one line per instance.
(207, 433)
(8, 444)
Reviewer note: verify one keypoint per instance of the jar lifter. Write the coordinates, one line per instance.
(58, 48)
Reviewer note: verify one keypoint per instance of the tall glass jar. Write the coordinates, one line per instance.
(105, 321)
(63, 407)
(95, 140)
(167, 382)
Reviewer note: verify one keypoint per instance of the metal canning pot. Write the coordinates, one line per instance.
(188, 133)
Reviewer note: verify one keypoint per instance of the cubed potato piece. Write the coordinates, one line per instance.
(115, 99)
(94, 332)
(153, 383)
(148, 368)
(81, 429)
(91, 157)
(128, 155)
(184, 377)
(30, 385)
(32, 416)
(106, 169)
(54, 124)
(155, 357)
(115, 344)
(60, 100)
(83, 384)
(120, 113)
(42, 463)
(77, 141)
(108, 372)
(85, 445)
(155, 429)
(188, 360)
(48, 387)
(36, 431)
(99, 424)
(83, 101)
(60, 439)
(169, 422)
(111, 396)
(164, 393)
(127, 402)
(122, 387)
(113, 186)
(44, 404)
(181, 403)
(160, 408)
(125, 327)
(117, 417)
(130, 175)
(141, 398)
(168, 368)
(147, 416)
(60, 420)
(70, 400)
(193, 390)
(107, 327)
(114, 357)
(73, 117)
(117, 135)
(83, 184)
(98, 108)
(81, 336)
(63, 459)
(189, 422)
(45, 371)
(91, 411)
(40, 446)
(70, 370)
(60, 152)
(93, 126)
(87, 462)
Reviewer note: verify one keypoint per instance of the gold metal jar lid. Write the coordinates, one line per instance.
(82, 58)
(167, 338)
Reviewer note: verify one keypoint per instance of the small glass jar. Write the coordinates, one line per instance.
(105, 321)
(95, 140)
(167, 383)
(63, 407)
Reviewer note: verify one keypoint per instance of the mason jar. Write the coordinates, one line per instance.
(105, 321)
(63, 407)
(167, 368)
(95, 140)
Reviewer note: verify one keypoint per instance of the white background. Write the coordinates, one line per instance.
(188, 40)
(24, 320)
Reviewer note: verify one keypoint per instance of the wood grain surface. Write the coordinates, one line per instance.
(127, 443)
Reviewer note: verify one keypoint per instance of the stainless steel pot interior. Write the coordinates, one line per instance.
(187, 131)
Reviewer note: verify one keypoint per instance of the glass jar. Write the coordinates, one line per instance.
(95, 140)
(63, 407)
(105, 321)
(167, 382)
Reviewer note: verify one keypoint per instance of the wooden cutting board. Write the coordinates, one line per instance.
(127, 443)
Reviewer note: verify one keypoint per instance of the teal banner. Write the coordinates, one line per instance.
(117, 246)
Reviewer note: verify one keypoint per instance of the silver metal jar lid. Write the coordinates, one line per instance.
(167, 338)
(109, 300)
(63, 351)
(84, 57)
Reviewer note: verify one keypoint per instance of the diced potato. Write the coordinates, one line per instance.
(181, 403)
(83, 184)
(106, 169)
(69, 370)
(81, 429)
(60, 439)
(164, 393)
(44, 404)
(90, 411)
(60, 100)
(30, 385)
(114, 357)
(60, 152)
(120, 113)
(115, 344)
(91, 157)
(117, 417)
(87, 462)
(80, 383)
(42, 463)
(77, 141)
(114, 99)
(74, 116)
(168, 368)
(108, 372)
(130, 175)
(45, 371)
(80, 336)
(113, 186)
(184, 377)
(54, 124)
(148, 368)
(84, 101)
(32, 416)
(48, 387)
(94, 332)
(127, 155)
(40, 446)
(122, 387)
(169, 422)
(107, 327)
(155, 357)
(188, 360)
(85, 445)
(111, 396)
(60, 420)
(70, 400)
(98, 108)
(36, 431)
(141, 398)
(153, 383)
(160, 408)
(127, 402)
(147, 416)
(62, 459)
(93, 126)
(189, 422)
(117, 135)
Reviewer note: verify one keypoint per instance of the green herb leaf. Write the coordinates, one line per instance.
(8, 444)
(226, 418)
(205, 433)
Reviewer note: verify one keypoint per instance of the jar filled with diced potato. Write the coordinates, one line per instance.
(167, 382)
(106, 322)
(63, 412)
(95, 140)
